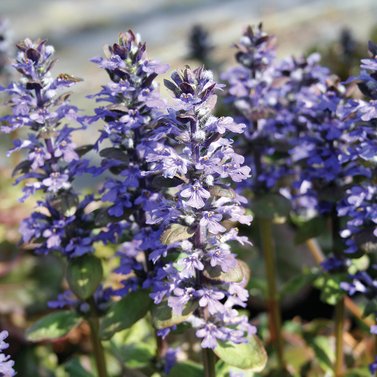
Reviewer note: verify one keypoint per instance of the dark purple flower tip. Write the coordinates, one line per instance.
(256, 49)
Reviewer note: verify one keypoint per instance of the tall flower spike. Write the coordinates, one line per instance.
(267, 95)
(61, 222)
(6, 365)
(253, 95)
(200, 276)
(133, 104)
(359, 206)
(358, 209)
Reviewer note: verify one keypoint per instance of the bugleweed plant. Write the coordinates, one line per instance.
(153, 253)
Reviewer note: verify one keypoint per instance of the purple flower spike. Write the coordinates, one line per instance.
(194, 153)
(130, 107)
(60, 222)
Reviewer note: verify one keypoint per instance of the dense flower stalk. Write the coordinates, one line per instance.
(201, 279)
(61, 222)
(6, 365)
(133, 104)
(358, 208)
(267, 95)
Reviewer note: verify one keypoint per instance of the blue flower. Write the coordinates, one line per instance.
(201, 201)
(6, 365)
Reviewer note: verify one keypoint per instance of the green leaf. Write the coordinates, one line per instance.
(186, 369)
(84, 149)
(310, 229)
(297, 283)
(162, 315)
(358, 372)
(114, 154)
(74, 368)
(226, 192)
(160, 181)
(250, 355)
(329, 285)
(370, 308)
(224, 370)
(358, 264)
(273, 207)
(22, 167)
(53, 326)
(175, 233)
(124, 313)
(323, 351)
(84, 275)
(240, 273)
(66, 203)
(137, 355)
(102, 217)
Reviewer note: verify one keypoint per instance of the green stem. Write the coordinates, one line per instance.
(99, 354)
(265, 227)
(339, 327)
(209, 362)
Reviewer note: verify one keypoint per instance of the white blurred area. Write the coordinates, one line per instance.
(80, 28)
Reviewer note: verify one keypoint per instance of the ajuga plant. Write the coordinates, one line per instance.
(254, 100)
(359, 206)
(132, 106)
(61, 223)
(175, 181)
(320, 146)
(6, 364)
(295, 143)
(201, 281)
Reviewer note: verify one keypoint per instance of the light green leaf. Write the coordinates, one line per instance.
(74, 368)
(163, 316)
(239, 273)
(250, 355)
(186, 369)
(322, 348)
(53, 326)
(175, 233)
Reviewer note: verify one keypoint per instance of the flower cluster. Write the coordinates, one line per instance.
(358, 209)
(319, 145)
(61, 223)
(200, 280)
(268, 95)
(359, 206)
(6, 365)
(67, 299)
(133, 104)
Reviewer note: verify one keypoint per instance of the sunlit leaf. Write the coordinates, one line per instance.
(250, 355)
(53, 326)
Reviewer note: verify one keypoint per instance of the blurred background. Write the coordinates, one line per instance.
(80, 28)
